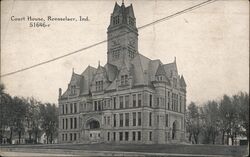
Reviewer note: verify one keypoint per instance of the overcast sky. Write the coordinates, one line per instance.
(211, 44)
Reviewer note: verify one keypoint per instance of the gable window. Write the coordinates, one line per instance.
(99, 85)
(116, 54)
(73, 89)
(116, 20)
(131, 54)
(124, 80)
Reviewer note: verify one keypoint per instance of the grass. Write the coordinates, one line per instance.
(159, 148)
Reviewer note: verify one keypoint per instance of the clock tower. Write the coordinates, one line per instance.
(122, 35)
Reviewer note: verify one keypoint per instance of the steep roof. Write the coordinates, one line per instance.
(182, 82)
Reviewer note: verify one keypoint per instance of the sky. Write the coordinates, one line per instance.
(211, 44)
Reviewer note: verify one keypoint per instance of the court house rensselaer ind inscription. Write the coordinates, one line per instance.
(131, 99)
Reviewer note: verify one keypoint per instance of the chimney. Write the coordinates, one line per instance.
(60, 92)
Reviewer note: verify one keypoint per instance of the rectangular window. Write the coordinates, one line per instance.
(158, 102)
(168, 100)
(99, 105)
(108, 120)
(166, 120)
(74, 136)
(175, 82)
(139, 100)
(62, 109)
(134, 100)
(150, 100)
(121, 120)
(134, 118)
(127, 101)
(139, 118)
(150, 119)
(71, 108)
(63, 123)
(75, 107)
(62, 137)
(66, 137)
(71, 123)
(124, 80)
(71, 137)
(126, 119)
(75, 124)
(121, 136)
(139, 135)
(99, 85)
(66, 108)
(114, 102)
(114, 120)
(114, 136)
(108, 136)
(150, 136)
(66, 125)
(126, 136)
(121, 101)
(95, 106)
(134, 135)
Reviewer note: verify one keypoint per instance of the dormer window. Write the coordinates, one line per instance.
(124, 80)
(99, 85)
(73, 89)
(160, 78)
(116, 20)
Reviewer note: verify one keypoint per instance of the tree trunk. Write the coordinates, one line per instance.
(227, 139)
(36, 137)
(11, 133)
(190, 137)
(47, 139)
(223, 137)
(51, 138)
(19, 137)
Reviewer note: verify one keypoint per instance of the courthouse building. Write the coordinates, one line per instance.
(131, 99)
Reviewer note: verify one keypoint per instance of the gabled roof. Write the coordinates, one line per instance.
(160, 70)
(170, 68)
(182, 82)
(112, 71)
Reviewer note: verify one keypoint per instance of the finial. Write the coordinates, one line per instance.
(99, 63)
(123, 2)
(174, 59)
(72, 70)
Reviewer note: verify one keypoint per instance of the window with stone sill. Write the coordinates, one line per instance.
(99, 85)
(124, 80)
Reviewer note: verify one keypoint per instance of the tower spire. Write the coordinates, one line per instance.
(123, 2)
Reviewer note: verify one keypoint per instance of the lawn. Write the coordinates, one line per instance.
(164, 148)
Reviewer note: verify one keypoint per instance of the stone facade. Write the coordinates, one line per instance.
(131, 99)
